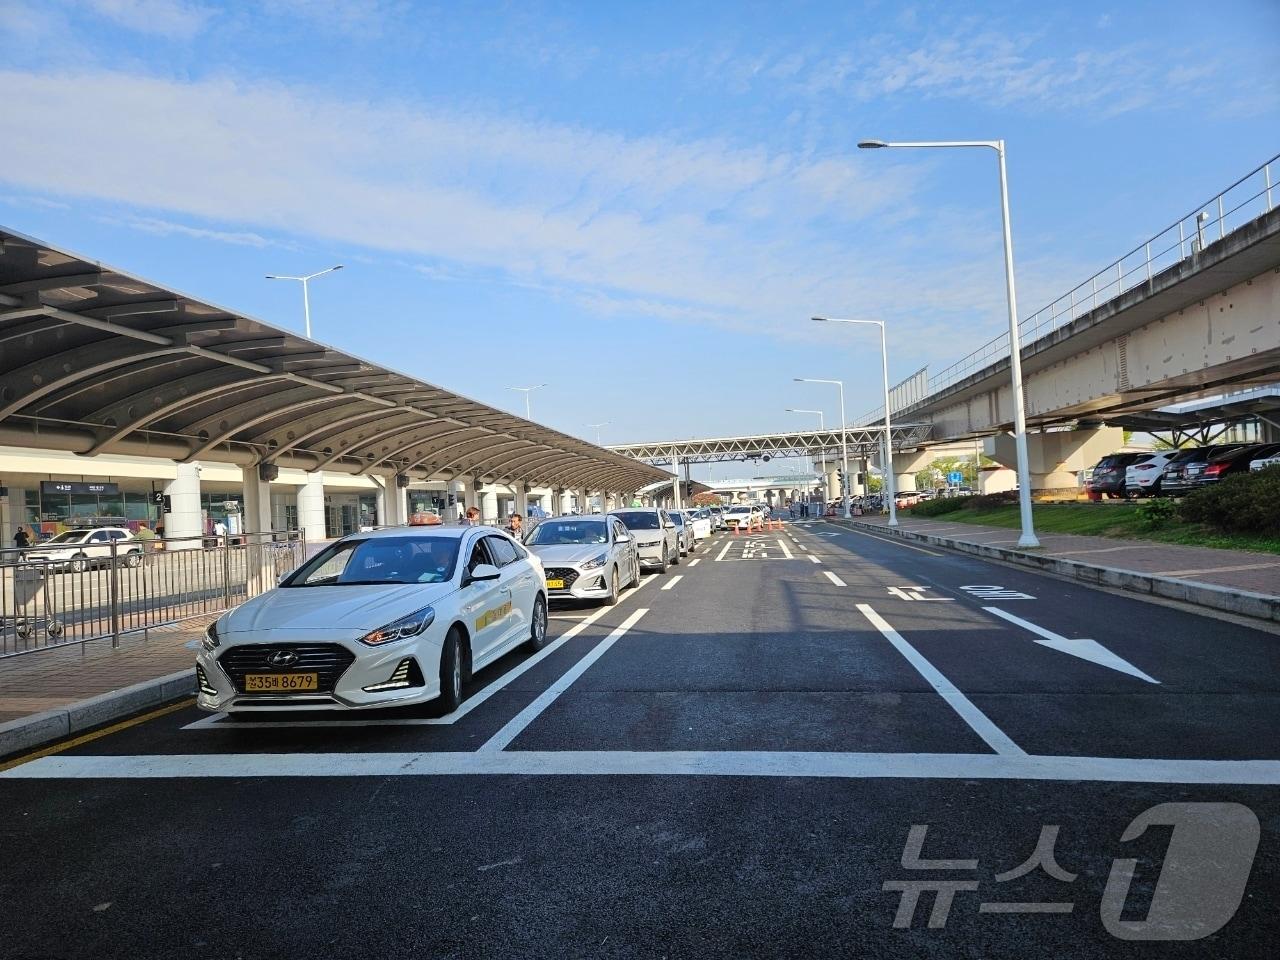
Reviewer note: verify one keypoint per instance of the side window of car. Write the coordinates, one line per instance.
(502, 549)
(479, 555)
(99, 537)
(117, 534)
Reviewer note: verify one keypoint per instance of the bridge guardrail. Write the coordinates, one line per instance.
(1251, 196)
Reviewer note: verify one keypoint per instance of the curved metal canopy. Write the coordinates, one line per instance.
(94, 360)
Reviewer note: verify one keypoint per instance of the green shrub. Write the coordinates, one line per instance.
(1244, 503)
(990, 501)
(943, 505)
(1158, 512)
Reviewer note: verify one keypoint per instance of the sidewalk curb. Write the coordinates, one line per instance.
(41, 729)
(1259, 606)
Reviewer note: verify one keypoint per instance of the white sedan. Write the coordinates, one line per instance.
(388, 618)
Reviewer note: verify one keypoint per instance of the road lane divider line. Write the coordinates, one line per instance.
(814, 558)
(516, 725)
(725, 550)
(1089, 650)
(219, 720)
(834, 579)
(673, 581)
(692, 563)
(612, 763)
(786, 551)
(969, 712)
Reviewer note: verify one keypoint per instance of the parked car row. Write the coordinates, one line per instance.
(1176, 472)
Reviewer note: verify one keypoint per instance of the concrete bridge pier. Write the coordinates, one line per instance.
(1055, 459)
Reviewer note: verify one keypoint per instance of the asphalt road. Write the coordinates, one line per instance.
(752, 760)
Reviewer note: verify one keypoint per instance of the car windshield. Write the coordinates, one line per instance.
(71, 536)
(553, 532)
(677, 519)
(379, 560)
(738, 510)
(639, 520)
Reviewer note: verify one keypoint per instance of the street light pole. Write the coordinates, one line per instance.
(1028, 536)
(528, 410)
(306, 299)
(890, 481)
(822, 428)
(598, 426)
(844, 438)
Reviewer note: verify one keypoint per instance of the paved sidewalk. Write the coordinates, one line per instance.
(55, 679)
(1233, 569)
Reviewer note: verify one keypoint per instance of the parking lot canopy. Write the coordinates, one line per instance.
(94, 360)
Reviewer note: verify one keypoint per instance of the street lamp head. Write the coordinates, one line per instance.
(871, 144)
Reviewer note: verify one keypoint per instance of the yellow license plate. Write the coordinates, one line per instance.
(281, 682)
(555, 584)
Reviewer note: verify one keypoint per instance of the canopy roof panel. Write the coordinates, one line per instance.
(94, 360)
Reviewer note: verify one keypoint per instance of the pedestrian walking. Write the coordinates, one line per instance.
(22, 538)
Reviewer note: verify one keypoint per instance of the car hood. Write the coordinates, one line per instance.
(567, 552)
(315, 609)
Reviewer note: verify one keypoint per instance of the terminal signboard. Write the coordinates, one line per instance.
(68, 486)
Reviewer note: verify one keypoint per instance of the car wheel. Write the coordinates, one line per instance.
(132, 559)
(451, 661)
(635, 573)
(662, 564)
(614, 590)
(538, 623)
(78, 564)
(675, 557)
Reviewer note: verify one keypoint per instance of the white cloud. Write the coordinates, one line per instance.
(176, 19)
(698, 231)
(165, 228)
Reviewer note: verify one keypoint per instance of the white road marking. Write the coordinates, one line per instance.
(834, 579)
(894, 541)
(1089, 650)
(801, 545)
(219, 720)
(979, 721)
(993, 591)
(915, 593)
(814, 559)
(694, 563)
(517, 724)
(673, 581)
(786, 552)
(725, 550)
(729, 763)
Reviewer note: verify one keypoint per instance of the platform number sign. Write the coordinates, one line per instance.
(162, 500)
(955, 478)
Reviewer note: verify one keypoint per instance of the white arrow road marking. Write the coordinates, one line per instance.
(1089, 650)
(914, 593)
(834, 579)
(979, 721)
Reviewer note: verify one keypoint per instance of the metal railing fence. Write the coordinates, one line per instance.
(1250, 197)
(110, 589)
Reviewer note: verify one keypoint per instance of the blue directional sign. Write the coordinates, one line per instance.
(955, 478)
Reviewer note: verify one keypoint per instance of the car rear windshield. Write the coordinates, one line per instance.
(552, 532)
(640, 520)
(379, 560)
(71, 536)
(677, 518)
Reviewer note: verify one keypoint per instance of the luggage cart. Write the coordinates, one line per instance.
(33, 601)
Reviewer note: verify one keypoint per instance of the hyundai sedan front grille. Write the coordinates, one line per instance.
(327, 660)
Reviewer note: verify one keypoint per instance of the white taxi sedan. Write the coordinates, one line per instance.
(386, 618)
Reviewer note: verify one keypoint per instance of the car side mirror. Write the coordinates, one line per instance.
(482, 572)
(622, 538)
(669, 525)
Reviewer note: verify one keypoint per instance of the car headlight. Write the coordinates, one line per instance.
(596, 562)
(409, 626)
(210, 640)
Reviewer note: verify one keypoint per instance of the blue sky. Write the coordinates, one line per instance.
(638, 203)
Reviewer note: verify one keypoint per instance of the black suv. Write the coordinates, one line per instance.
(1108, 474)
